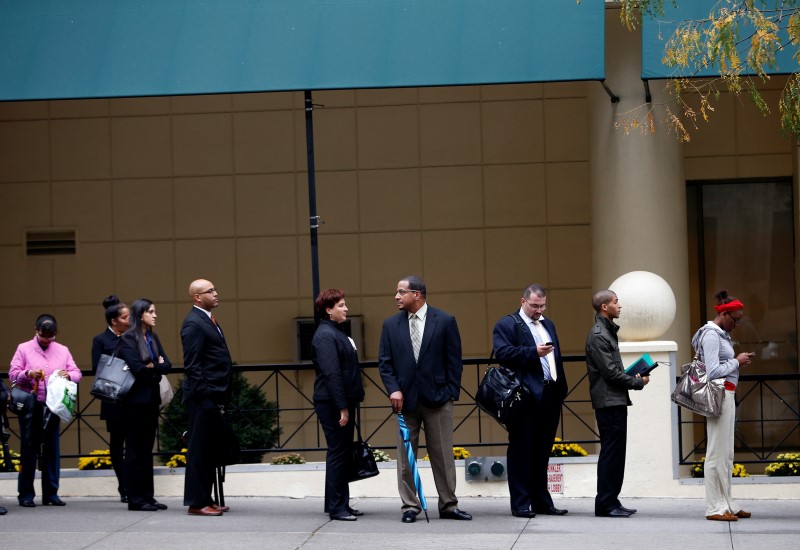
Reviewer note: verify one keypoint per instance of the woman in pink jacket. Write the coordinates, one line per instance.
(34, 363)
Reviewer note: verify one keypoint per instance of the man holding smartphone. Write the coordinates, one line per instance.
(527, 343)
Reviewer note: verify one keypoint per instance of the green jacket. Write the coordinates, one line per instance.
(608, 383)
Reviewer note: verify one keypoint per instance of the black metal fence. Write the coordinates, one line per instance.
(768, 415)
(767, 421)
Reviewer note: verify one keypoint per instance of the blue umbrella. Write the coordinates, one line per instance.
(412, 462)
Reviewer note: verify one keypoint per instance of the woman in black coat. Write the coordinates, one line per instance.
(142, 351)
(337, 391)
(118, 318)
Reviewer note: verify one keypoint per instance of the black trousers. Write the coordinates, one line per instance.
(530, 442)
(116, 448)
(38, 440)
(337, 460)
(205, 422)
(613, 425)
(140, 421)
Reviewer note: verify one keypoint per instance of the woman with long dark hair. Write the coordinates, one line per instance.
(714, 345)
(141, 349)
(118, 319)
(338, 390)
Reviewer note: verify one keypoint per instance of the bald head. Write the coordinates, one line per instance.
(203, 294)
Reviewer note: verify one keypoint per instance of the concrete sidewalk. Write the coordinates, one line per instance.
(283, 523)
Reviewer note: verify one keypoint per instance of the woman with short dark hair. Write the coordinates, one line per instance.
(34, 363)
(141, 349)
(118, 318)
(337, 391)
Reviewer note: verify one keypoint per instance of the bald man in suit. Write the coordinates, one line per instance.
(206, 390)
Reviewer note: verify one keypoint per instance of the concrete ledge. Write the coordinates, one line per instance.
(308, 480)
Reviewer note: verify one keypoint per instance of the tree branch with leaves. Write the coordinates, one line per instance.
(739, 42)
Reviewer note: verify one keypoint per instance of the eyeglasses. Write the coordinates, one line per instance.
(736, 320)
(211, 290)
(43, 337)
(404, 291)
(537, 307)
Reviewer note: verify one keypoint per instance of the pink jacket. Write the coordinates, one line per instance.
(31, 356)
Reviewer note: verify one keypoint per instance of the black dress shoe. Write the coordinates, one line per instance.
(523, 513)
(409, 516)
(343, 517)
(552, 511)
(631, 511)
(54, 501)
(27, 503)
(455, 513)
(354, 512)
(146, 507)
(159, 505)
(615, 513)
(3, 511)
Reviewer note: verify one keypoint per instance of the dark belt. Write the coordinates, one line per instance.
(548, 383)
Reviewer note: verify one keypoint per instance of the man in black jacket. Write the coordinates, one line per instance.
(206, 391)
(608, 388)
(527, 343)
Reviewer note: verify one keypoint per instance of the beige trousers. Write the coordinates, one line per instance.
(719, 459)
(438, 425)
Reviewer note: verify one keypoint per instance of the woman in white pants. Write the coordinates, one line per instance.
(714, 344)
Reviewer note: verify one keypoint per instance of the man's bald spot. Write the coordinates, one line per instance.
(602, 297)
(199, 286)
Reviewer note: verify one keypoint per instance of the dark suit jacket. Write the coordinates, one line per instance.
(105, 342)
(436, 378)
(336, 365)
(515, 348)
(145, 388)
(206, 360)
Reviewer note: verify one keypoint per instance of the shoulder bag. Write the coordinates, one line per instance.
(501, 394)
(695, 392)
(362, 465)
(113, 380)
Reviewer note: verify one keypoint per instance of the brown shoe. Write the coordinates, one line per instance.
(205, 511)
(741, 514)
(219, 508)
(722, 517)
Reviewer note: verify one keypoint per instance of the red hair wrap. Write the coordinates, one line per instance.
(730, 306)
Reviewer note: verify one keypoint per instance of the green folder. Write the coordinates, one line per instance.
(642, 366)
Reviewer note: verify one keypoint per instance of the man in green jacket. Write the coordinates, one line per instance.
(608, 388)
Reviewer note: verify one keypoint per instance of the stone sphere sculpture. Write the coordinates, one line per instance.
(648, 306)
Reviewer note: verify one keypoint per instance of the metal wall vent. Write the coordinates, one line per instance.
(50, 242)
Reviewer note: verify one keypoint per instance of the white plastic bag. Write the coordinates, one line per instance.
(62, 396)
(166, 391)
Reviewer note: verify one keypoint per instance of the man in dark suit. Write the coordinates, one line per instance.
(527, 343)
(420, 364)
(206, 391)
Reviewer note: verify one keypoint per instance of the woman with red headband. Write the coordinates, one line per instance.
(713, 342)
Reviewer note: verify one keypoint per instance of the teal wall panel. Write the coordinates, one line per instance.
(115, 48)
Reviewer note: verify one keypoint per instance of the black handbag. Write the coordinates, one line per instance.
(22, 401)
(362, 465)
(113, 380)
(501, 394)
